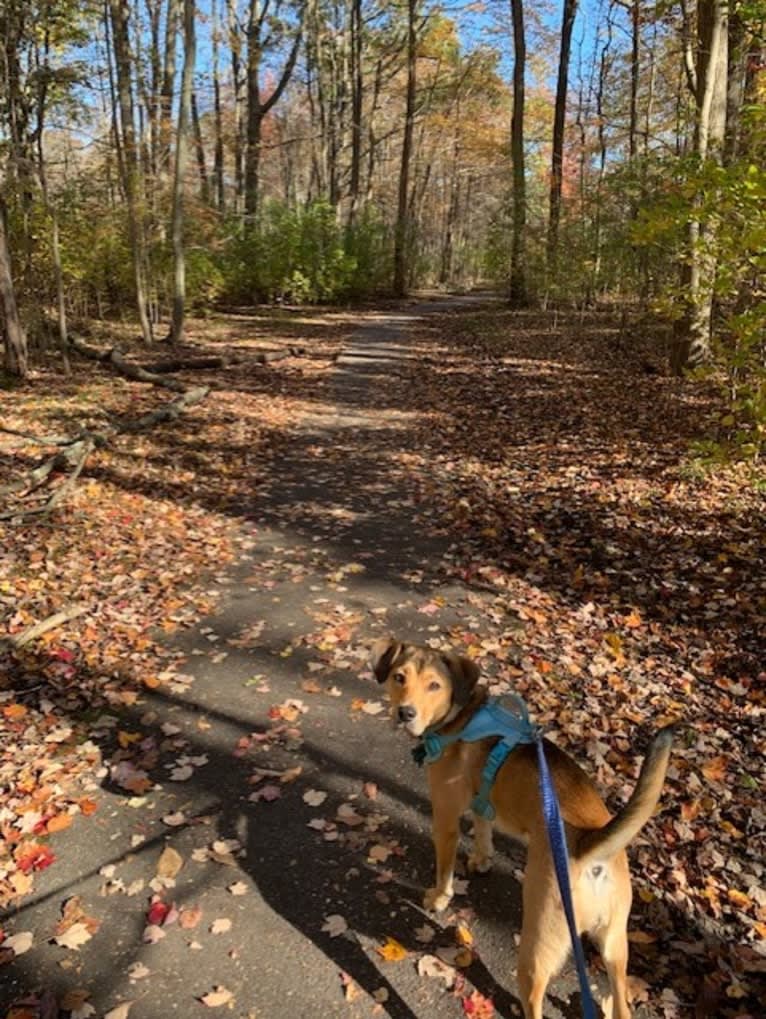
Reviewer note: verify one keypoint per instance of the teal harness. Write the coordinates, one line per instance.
(493, 719)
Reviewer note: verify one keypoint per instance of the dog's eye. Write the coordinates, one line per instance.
(400, 678)
(434, 685)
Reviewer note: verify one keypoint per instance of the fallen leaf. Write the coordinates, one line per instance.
(424, 934)
(392, 951)
(120, 1012)
(335, 925)
(238, 888)
(431, 966)
(314, 797)
(20, 943)
(169, 863)
(217, 997)
(220, 926)
(478, 1007)
(189, 917)
(74, 937)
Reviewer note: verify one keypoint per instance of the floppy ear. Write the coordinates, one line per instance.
(464, 674)
(383, 654)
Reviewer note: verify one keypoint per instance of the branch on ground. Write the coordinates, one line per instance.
(26, 636)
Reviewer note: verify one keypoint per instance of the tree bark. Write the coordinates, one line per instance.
(518, 288)
(129, 164)
(199, 148)
(402, 238)
(692, 332)
(182, 151)
(557, 155)
(217, 117)
(16, 356)
(257, 110)
(357, 96)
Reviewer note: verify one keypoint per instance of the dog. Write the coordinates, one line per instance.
(436, 691)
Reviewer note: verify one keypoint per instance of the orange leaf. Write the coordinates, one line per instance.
(13, 712)
(690, 810)
(59, 823)
(88, 807)
(392, 951)
(126, 738)
(739, 898)
(633, 620)
(715, 769)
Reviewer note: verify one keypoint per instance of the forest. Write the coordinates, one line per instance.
(327, 320)
(166, 155)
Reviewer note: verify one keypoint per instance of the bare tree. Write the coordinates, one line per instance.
(258, 39)
(518, 290)
(16, 354)
(128, 153)
(182, 152)
(707, 80)
(402, 238)
(557, 155)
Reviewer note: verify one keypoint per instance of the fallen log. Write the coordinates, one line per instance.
(268, 356)
(185, 364)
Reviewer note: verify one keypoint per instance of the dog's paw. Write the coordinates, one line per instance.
(435, 901)
(479, 863)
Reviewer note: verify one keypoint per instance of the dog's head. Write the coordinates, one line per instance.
(424, 685)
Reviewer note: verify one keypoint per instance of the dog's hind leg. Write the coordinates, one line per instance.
(613, 945)
(482, 851)
(544, 934)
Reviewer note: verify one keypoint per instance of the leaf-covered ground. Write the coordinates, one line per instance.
(520, 489)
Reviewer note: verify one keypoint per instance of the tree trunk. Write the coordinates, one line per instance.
(256, 109)
(235, 48)
(357, 95)
(402, 237)
(635, 21)
(182, 149)
(16, 361)
(217, 118)
(557, 155)
(518, 289)
(168, 84)
(129, 164)
(204, 183)
(691, 340)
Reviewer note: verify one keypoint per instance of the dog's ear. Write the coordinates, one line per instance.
(464, 674)
(383, 654)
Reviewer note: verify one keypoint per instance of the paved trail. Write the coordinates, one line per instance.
(341, 500)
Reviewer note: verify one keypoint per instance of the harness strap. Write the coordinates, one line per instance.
(480, 803)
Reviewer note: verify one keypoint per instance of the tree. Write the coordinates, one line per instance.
(402, 237)
(260, 27)
(559, 117)
(518, 290)
(707, 77)
(16, 355)
(128, 156)
(182, 150)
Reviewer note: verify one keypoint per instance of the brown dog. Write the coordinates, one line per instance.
(436, 691)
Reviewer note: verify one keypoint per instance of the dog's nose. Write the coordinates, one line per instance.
(406, 713)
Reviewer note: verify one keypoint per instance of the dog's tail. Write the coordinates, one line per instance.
(604, 843)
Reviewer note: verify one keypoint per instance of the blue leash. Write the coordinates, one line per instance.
(558, 843)
(514, 728)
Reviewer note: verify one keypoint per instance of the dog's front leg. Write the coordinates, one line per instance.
(450, 795)
(446, 831)
(482, 851)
